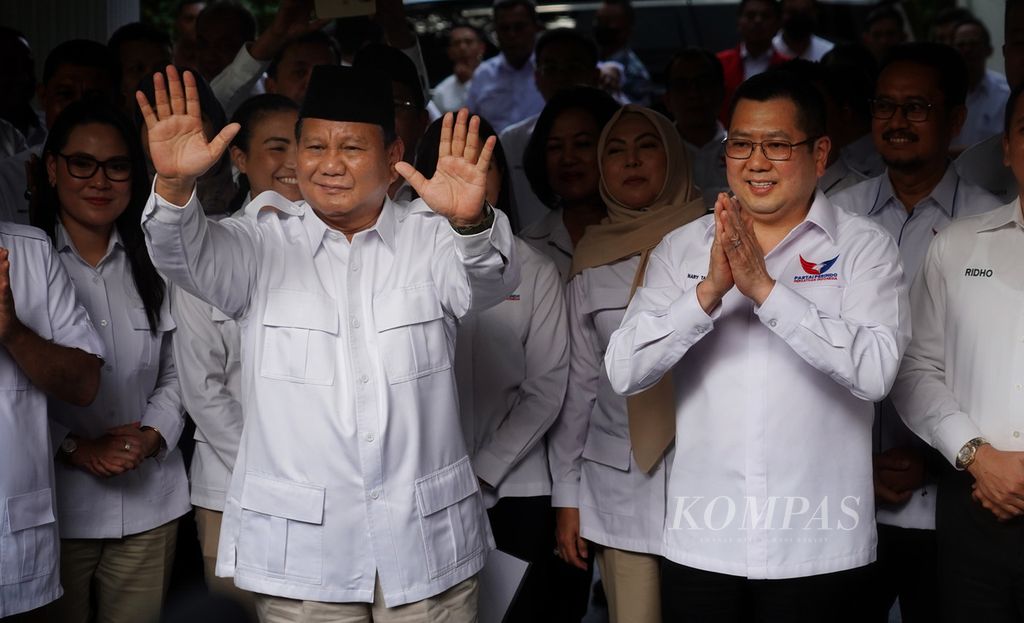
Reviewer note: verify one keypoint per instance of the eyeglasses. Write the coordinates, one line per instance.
(84, 167)
(741, 149)
(912, 111)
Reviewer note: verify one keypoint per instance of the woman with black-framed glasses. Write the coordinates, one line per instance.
(121, 483)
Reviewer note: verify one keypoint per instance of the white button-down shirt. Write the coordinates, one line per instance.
(952, 198)
(207, 353)
(963, 376)
(13, 183)
(503, 94)
(512, 366)
(839, 176)
(47, 304)
(138, 383)
(982, 165)
(529, 208)
(818, 48)
(591, 457)
(551, 238)
(772, 477)
(986, 109)
(861, 156)
(450, 94)
(352, 462)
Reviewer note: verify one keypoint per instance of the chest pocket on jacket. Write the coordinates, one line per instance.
(149, 357)
(410, 326)
(28, 537)
(299, 335)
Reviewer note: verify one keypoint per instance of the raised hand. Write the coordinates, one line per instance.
(719, 280)
(746, 258)
(291, 21)
(177, 145)
(458, 187)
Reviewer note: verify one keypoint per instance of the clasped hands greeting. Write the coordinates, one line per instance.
(736, 258)
(120, 449)
(181, 153)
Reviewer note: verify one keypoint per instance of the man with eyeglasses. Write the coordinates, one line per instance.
(503, 90)
(917, 112)
(780, 319)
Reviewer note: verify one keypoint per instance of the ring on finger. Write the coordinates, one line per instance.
(736, 243)
(127, 446)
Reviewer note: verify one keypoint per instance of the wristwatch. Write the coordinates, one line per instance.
(482, 226)
(68, 446)
(966, 455)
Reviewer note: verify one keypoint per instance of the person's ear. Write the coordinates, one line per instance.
(395, 152)
(51, 169)
(822, 147)
(238, 158)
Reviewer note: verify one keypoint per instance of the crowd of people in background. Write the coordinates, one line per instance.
(743, 339)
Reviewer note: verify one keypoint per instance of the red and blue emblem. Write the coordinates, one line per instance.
(817, 271)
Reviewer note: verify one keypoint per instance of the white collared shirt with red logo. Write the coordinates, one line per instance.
(772, 471)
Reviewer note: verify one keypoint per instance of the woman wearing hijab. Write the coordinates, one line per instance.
(609, 454)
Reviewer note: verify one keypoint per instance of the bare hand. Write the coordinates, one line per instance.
(571, 546)
(177, 144)
(746, 258)
(291, 21)
(898, 472)
(10, 326)
(105, 456)
(459, 185)
(719, 280)
(147, 441)
(999, 481)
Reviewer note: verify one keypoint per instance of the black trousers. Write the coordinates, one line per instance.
(981, 560)
(691, 595)
(907, 568)
(552, 590)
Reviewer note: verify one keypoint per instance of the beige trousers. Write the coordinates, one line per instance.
(208, 528)
(632, 583)
(123, 580)
(458, 604)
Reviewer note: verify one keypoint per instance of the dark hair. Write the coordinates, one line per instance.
(852, 70)
(243, 17)
(531, 7)
(947, 64)
(148, 283)
(882, 13)
(595, 102)
(378, 57)
(774, 4)
(208, 102)
(1011, 104)
(627, 7)
(137, 31)
(317, 37)
(250, 113)
(782, 84)
(952, 15)
(426, 160)
(83, 53)
(697, 54)
(977, 22)
(462, 24)
(570, 36)
(184, 3)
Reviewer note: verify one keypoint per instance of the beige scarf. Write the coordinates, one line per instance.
(627, 232)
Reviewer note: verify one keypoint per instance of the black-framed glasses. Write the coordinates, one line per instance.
(882, 108)
(84, 167)
(741, 148)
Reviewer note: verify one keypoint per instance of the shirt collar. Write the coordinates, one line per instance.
(531, 64)
(745, 54)
(552, 228)
(944, 193)
(63, 242)
(1007, 215)
(821, 215)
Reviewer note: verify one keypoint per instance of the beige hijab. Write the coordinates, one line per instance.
(627, 232)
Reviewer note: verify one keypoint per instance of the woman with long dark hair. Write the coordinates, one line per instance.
(121, 483)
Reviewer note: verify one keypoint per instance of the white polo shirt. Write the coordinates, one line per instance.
(772, 474)
(952, 198)
(963, 375)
